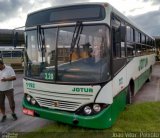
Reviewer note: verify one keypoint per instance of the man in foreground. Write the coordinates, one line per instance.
(7, 76)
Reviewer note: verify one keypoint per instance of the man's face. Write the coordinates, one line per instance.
(1, 66)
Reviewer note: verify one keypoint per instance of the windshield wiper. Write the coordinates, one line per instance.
(76, 37)
(41, 41)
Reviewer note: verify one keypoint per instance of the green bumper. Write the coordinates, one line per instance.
(99, 121)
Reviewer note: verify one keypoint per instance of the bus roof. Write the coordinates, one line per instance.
(105, 4)
(71, 4)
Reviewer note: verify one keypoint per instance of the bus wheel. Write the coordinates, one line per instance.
(129, 95)
(150, 72)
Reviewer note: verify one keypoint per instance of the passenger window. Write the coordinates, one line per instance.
(131, 50)
(123, 34)
(143, 39)
(116, 37)
(130, 34)
(118, 44)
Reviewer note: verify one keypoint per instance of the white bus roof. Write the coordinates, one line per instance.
(69, 4)
(105, 4)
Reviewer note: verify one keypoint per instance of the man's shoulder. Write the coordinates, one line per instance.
(10, 70)
(8, 67)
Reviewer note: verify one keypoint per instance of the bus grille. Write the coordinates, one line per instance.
(57, 104)
(61, 101)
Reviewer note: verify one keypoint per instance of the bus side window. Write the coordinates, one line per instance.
(0, 55)
(123, 39)
(131, 47)
(118, 44)
(116, 38)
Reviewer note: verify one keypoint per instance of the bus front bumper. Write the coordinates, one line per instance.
(99, 121)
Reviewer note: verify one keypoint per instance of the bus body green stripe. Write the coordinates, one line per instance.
(141, 80)
(104, 119)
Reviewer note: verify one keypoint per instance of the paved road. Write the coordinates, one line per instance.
(24, 123)
(150, 92)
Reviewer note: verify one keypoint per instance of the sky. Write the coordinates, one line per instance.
(145, 13)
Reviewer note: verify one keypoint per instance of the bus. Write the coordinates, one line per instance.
(12, 47)
(157, 41)
(83, 64)
(12, 57)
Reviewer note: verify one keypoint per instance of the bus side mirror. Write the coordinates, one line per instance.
(15, 39)
(123, 33)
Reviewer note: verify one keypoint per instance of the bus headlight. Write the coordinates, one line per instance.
(30, 100)
(91, 109)
(96, 107)
(88, 110)
(33, 101)
(28, 97)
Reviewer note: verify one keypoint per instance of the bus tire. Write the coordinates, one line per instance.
(150, 72)
(129, 95)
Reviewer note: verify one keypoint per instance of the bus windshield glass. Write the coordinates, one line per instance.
(51, 55)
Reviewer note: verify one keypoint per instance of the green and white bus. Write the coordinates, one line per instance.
(12, 56)
(11, 48)
(83, 64)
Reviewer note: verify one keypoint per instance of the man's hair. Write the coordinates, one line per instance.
(1, 62)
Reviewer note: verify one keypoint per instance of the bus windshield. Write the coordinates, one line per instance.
(51, 55)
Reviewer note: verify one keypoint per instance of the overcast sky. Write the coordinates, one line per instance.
(145, 13)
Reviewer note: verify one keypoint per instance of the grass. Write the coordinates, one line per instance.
(144, 117)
